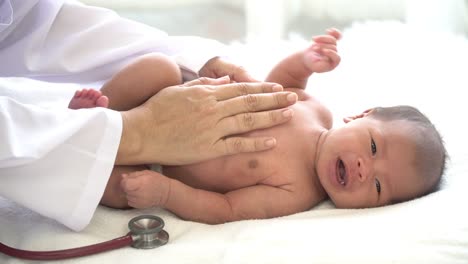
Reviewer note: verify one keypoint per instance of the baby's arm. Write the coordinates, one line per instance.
(255, 202)
(294, 70)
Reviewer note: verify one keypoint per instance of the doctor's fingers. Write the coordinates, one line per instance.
(207, 81)
(256, 102)
(235, 145)
(232, 90)
(246, 122)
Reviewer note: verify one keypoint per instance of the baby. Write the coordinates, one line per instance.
(379, 157)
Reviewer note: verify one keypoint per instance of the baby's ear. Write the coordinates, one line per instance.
(361, 115)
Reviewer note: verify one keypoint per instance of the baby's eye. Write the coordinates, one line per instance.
(377, 185)
(373, 146)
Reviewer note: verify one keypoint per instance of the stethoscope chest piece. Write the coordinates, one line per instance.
(147, 232)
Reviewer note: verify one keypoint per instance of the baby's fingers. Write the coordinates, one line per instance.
(334, 32)
(325, 39)
(319, 47)
(136, 202)
(129, 184)
(332, 56)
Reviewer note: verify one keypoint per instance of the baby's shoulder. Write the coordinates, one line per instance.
(313, 104)
(301, 94)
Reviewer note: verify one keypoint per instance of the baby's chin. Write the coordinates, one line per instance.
(347, 205)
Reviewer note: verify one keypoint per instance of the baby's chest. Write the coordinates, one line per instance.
(274, 167)
(238, 171)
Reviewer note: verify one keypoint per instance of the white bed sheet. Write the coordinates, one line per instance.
(383, 63)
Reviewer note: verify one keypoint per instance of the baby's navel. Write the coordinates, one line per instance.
(253, 163)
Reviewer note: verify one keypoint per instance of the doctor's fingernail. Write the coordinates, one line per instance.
(270, 142)
(287, 113)
(277, 88)
(292, 97)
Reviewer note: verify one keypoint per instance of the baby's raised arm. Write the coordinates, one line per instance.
(322, 56)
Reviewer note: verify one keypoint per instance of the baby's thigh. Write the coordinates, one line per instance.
(157, 69)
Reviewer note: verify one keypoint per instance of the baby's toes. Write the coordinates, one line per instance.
(94, 94)
(102, 101)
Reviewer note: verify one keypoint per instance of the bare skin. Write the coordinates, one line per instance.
(198, 115)
(248, 185)
(273, 183)
(294, 176)
(88, 98)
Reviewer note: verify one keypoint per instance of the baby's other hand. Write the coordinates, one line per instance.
(322, 55)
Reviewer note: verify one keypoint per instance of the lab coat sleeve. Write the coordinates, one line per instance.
(59, 41)
(55, 161)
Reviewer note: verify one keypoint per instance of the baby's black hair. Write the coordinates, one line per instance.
(431, 154)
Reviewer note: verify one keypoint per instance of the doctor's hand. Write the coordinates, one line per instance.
(202, 120)
(217, 68)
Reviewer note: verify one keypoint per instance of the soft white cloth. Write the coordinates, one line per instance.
(383, 64)
(54, 160)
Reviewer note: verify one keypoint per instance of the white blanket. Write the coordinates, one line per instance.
(382, 64)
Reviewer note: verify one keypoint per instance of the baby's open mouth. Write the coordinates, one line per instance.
(341, 172)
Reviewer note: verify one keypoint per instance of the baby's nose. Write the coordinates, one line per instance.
(363, 169)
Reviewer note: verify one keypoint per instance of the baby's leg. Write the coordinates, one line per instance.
(114, 196)
(88, 98)
(140, 80)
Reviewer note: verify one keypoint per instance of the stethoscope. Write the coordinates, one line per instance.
(146, 231)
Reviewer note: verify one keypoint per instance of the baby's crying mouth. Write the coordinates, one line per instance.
(341, 172)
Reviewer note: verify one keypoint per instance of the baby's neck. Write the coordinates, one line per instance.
(318, 147)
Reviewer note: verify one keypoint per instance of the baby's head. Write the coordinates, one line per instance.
(382, 156)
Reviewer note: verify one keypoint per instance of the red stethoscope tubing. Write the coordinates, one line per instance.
(67, 253)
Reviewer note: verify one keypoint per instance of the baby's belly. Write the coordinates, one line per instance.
(224, 174)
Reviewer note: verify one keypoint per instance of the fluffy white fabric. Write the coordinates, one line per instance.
(383, 63)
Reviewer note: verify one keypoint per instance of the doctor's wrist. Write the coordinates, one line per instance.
(130, 147)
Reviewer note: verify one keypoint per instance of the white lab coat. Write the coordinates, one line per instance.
(53, 160)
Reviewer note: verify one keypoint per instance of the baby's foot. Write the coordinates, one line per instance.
(145, 189)
(88, 98)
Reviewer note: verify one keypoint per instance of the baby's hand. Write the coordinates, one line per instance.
(145, 189)
(322, 56)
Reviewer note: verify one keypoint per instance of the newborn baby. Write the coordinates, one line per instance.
(379, 157)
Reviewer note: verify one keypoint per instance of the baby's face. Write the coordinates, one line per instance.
(368, 163)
